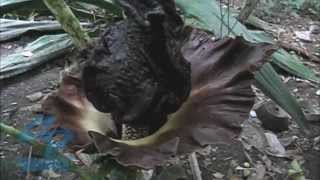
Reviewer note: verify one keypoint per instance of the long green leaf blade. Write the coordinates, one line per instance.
(205, 14)
(36, 53)
(7, 6)
(10, 28)
(293, 65)
(270, 83)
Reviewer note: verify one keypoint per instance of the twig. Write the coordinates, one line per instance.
(29, 162)
(196, 173)
(248, 157)
(261, 24)
(210, 170)
(248, 8)
(302, 52)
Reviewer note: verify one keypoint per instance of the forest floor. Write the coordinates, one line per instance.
(245, 159)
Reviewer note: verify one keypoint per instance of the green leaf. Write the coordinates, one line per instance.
(10, 29)
(108, 5)
(205, 14)
(7, 3)
(295, 172)
(293, 65)
(270, 83)
(8, 6)
(35, 53)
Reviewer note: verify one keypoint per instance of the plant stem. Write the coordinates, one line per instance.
(69, 22)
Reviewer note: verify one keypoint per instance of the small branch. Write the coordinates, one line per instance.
(69, 22)
(248, 157)
(248, 8)
(196, 173)
(300, 51)
(29, 162)
(259, 23)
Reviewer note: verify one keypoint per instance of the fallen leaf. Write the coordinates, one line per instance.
(35, 96)
(303, 35)
(275, 148)
(218, 175)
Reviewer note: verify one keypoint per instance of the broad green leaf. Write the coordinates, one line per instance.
(293, 65)
(13, 28)
(270, 83)
(206, 14)
(32, 5)
(7, 3)
(8, 6)
(295, 172)
(35, 53)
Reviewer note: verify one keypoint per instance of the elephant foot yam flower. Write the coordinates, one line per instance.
(221, 97)
(220, 100)
(137, 71)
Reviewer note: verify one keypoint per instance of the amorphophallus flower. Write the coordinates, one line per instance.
(221, 97)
